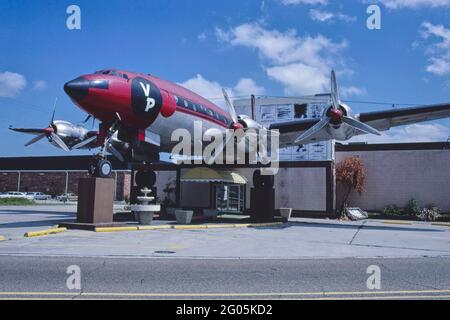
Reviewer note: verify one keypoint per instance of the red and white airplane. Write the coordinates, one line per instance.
(139, 112)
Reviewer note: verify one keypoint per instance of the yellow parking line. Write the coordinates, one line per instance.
(154, 227)
(44, 232)
(188, 227)
(442, 224)
(116, 229)
(396, 222)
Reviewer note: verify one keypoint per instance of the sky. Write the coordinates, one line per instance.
(264, 47)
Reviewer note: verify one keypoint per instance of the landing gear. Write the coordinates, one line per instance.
(100, 168)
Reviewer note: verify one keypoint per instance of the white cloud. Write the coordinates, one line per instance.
(39, 85)
(202, 36)
(438, 52)
(299, 78)
(11, 84)
(398, 4)
(327, 16)
(352, 91)
(301, 64)
(213, 89)
(419, 132)
(247, 86)
(295, 2)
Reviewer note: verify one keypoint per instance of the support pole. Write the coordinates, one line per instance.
(18, 180)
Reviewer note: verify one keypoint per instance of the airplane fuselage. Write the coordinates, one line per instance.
(146, 103)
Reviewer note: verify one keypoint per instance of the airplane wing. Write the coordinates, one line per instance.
(384, 120)
(380, 120)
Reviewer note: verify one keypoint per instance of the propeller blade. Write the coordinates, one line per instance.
(230, 106)
(335, 101)
(313, 130)
(85, 142)
(28, 130)
(360, 125)
(59, 142)
(115, 152)
(53, 114)
(36, 139)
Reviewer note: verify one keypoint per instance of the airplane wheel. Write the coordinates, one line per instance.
(145, 178)
(262, 181)
(100, 169)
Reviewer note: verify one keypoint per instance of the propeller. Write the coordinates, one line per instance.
(232, 112)
(84, 142)
(49, 132)
(335, 116)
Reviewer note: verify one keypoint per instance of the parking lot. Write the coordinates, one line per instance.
(300, 238)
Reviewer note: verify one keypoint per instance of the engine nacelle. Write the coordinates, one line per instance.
(249, 123)
(69, 131)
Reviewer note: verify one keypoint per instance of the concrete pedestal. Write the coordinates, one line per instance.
(95, 200)
(95, 204)
(262, 204)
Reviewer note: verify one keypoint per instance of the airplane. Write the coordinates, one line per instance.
(139, 112)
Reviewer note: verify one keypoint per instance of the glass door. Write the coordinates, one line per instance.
(230, 198)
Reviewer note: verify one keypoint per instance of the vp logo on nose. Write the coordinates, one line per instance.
(150, 101)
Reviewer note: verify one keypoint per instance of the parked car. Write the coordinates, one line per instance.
(15, 194)
(67, 197)
(39, 195)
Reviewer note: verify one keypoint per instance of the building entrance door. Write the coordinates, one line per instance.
(230, 198)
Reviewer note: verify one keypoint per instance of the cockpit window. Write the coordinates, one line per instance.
(113, 73)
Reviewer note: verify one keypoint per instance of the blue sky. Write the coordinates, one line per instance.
(271, 47)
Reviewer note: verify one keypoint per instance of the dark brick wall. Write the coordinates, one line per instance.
(8, 181)
(54, 183)
(51, 183)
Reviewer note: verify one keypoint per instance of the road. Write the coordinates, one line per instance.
(31, 277)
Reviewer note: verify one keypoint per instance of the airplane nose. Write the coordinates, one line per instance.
(77, 89)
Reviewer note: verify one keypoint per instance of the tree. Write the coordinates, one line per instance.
(351, 173)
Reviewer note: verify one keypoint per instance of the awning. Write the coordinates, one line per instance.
(207, 175)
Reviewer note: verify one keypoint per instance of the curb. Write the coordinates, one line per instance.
(44, 232)
(442, 224)
(187, 227)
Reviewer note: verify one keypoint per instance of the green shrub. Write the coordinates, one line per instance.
(15, 202)
(413, 208)
(393, 211)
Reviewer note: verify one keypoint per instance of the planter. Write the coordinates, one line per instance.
(184, 216)
(286, 213)
(144, 218)
(144, 213)
(210, 213)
